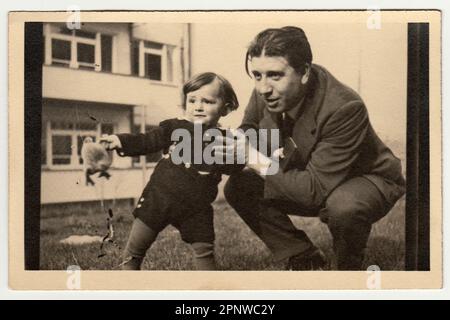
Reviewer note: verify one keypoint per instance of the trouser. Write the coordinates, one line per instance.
(349, 211)
(141, 238)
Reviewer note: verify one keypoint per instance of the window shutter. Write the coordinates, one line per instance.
(135, 58)
(106, 43)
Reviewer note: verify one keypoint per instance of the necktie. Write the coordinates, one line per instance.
(286, 126)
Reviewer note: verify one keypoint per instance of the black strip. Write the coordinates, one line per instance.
(33, 110)
(418, 168)
(217, 309)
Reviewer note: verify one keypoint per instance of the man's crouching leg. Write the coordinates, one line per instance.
(204, 256)
(140, 239)
(350, 211)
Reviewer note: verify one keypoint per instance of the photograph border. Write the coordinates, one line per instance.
(213, 280)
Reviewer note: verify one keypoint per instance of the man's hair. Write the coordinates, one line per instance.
(227, 93)
(288, 42)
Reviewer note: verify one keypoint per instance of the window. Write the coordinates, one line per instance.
(61, 149)
(86, 56)
(63, 139)
(153, 66)
(106, 128)
(152, 60)
(61, 52)
(153, 157)
(77, 48)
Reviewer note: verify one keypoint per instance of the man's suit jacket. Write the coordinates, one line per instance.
(335, 143)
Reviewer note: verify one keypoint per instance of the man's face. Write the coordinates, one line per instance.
(277, 82)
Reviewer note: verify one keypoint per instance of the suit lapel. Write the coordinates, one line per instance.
(304, 133)
(269, 121)
(305, 129)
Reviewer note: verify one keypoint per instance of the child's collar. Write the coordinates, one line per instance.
(203, 125)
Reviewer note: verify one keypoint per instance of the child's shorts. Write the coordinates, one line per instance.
(158, 209)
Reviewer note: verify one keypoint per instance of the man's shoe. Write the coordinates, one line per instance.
(350, 261)
(312, 259)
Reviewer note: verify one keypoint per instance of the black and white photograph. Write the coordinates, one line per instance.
(240, 141)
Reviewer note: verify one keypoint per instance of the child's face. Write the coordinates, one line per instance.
(205, 104)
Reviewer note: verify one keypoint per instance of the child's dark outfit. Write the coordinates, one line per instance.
(177, 194)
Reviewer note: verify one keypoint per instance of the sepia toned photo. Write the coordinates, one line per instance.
(225, 150)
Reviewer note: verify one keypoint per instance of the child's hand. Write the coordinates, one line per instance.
(111, 142)
(278, 154)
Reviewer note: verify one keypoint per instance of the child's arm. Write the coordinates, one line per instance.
(132, 145)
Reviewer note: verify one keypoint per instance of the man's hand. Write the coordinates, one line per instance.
(235, 148)
(111, 142)
(241, 151)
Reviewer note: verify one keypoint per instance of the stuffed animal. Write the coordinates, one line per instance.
(95, 159)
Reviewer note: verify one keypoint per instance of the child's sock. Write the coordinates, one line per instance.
(140, 239)
(204, 256)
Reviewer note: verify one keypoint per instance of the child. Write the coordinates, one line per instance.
(179, 194)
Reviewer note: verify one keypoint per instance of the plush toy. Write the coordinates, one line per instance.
(95, 159)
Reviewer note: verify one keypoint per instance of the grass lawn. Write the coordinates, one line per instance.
(237, 248)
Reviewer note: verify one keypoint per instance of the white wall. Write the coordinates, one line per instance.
(373, 62)
(168, 33)
(84, 85)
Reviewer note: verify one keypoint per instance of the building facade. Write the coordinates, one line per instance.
(100, 79)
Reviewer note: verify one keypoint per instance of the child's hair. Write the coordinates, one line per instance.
(227, 93)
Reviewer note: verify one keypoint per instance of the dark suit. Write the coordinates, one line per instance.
(342, 173)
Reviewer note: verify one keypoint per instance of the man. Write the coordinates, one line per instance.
(340, 170)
